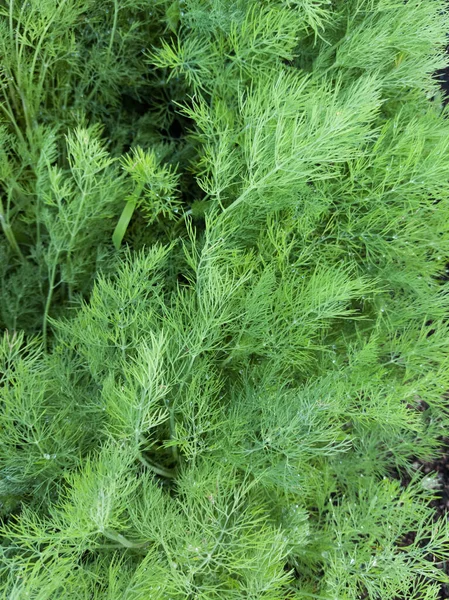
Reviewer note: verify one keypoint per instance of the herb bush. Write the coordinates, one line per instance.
(224, 236)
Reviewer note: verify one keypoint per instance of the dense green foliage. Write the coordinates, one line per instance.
(223, 298)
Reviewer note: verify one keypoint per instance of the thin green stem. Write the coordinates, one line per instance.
(9, 112)
(172, 431)
(13, 37)
(121, 539)
(43, 37)
(251, 188)
(158, 469)
(114, 28)
(9, 234)
(51, 288)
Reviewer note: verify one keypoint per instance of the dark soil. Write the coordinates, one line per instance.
(440, 505)
(440, 466)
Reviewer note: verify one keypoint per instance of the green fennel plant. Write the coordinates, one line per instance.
(223, 299)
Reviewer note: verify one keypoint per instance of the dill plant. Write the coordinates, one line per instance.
(225, 320)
